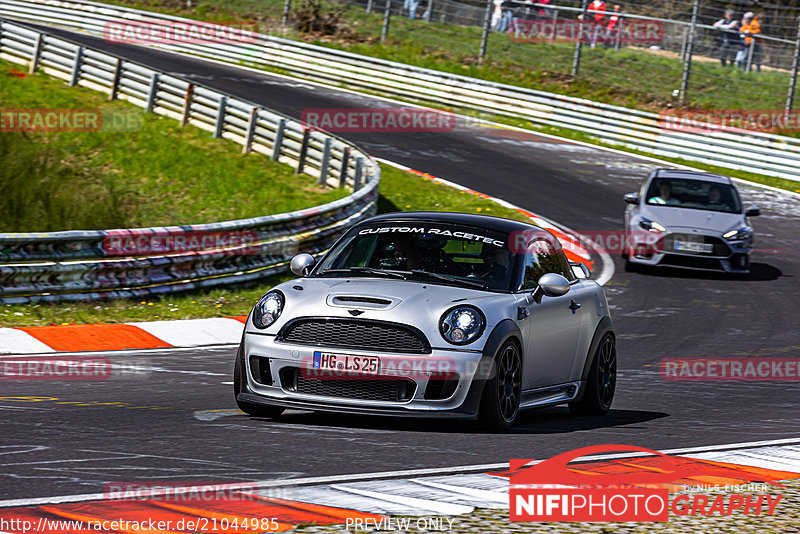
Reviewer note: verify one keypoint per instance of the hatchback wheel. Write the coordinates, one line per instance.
(501, 395)
(602, 381)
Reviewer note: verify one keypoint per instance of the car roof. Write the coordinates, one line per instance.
(691, 175)
(498, 224)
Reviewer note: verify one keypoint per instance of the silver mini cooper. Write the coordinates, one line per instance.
(431, 315)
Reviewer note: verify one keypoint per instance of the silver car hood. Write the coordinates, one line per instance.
(412, 303)
(712, 221)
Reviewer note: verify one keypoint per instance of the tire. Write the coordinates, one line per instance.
(626, 253)
(501, 395)
(602, 381)
(630, 267)
(256, 410)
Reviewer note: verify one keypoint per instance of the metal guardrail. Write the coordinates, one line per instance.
(756, 152)
(77, 265)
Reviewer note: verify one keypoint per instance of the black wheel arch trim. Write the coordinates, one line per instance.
(604, 326)
(505, 330)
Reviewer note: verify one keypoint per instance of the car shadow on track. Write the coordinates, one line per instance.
(558, 420)
(759, 272)
(555, 420)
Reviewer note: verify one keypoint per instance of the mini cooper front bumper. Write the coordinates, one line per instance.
(443, 382)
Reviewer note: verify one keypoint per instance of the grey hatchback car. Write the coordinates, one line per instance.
(688, 219)
(431, 315)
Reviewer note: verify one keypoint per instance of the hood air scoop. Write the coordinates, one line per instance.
(362, 301)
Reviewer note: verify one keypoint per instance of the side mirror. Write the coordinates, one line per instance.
(631, 198)
(580, 270)
(551, 285)
(753, 211)
(302, 263)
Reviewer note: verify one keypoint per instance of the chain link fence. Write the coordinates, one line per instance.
(654, 49)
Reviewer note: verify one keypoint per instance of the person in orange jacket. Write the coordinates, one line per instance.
(750, 27)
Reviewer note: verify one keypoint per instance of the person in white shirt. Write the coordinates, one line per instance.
(729, 41)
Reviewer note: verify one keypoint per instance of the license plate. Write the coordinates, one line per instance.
(326, 361)
(690, 246)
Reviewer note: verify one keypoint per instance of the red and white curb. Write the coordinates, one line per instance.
(460, 494)
(375, 497)
(125, 336)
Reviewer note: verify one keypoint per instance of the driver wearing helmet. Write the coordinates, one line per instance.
(496, 265)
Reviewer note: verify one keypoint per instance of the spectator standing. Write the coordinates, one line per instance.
(599, 7)
(506, 15)
(502, 15)
(729, 41)
(613, 26)
(497, 14)
(545, 12)
(411, 7)
(750, 27)
(523, 11)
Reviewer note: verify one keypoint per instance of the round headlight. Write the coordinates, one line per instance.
(268, 309)
(462, 325)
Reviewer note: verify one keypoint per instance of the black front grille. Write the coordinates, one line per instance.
(357, 387)
(694, 262)
(259, 368)
(721, 249)
(355, 334)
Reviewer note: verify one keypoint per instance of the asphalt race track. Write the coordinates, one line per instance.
(177, 421)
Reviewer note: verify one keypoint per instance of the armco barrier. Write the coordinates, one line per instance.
(756, 152)
(75, 265)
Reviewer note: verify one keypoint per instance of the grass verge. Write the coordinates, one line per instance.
(157, 174)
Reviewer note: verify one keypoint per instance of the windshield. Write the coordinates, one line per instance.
(429, 251)
(695, 194)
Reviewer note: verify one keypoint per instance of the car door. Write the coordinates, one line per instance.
(554, 324)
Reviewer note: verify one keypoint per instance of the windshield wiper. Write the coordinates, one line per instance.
(370, 270)
(451, 279)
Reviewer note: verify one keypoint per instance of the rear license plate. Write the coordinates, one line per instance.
(690, 246)
(326, 361)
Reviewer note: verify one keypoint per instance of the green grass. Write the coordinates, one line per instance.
(159, 174)
(400, 191)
